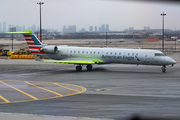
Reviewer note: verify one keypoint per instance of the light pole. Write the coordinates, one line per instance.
(40, 3)
(163, 31)
(106, 39)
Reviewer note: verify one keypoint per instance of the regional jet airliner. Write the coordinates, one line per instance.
(90, 55)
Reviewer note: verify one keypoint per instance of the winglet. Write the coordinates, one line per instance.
(21, 32)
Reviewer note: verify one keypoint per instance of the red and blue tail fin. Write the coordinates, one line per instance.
(34, 44)
(32, 41)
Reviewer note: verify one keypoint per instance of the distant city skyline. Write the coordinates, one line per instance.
(70, 28)
(120, 15)
(34, 28)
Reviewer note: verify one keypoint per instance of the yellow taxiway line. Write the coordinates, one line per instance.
(19, 90)
(34, 98)
(66, 87)
(43, 88)
(4, 99)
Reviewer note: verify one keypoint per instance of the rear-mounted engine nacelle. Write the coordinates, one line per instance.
(49, 49)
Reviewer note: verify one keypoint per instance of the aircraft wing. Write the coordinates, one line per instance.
(73, 61)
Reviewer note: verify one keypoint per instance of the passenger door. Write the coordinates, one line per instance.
(146, 58)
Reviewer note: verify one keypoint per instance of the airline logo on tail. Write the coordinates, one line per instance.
(34, 44)
(32, 40)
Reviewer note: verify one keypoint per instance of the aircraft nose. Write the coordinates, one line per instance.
(172, 61)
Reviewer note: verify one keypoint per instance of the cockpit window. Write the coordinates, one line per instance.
(160, 54)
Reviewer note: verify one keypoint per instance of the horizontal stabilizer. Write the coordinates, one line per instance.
(21, 32)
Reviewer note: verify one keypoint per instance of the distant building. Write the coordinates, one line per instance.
(82, 30)
(95, 29)
(24, 27)
(38, 29)
(44, 31)
(70, 29)
(64, 30)
(10, 26)
(107, 27)
(91, 29)
(4, 26)
(146, 28)
(131, 29)
(13, 29)
(99, 29)
(103, 29)
(33, 28)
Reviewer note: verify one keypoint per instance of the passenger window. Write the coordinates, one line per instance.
(74, 51)
(91, 52)
(136, 53)
(119, 53)
(78, 51)
(128, 53)
(82, 51)
(115, 53)
(87, 52)
(98, 52)
(94, 52)
(111, 53)
(106, 52)
(133, 54)
(70, 51)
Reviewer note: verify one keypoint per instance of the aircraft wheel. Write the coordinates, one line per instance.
(78, 68)
(163, 69)
(89, 67)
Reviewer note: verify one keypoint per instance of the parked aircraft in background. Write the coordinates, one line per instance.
(176, 39)
(90, 55)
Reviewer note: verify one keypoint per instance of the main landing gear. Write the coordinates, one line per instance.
(78, 68)
(88, 67)
(163, 68)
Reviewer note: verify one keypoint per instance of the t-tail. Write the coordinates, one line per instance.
(33, 42)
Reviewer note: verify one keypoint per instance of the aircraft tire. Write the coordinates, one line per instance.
(78, 68)
(163, 69)
(89, 67)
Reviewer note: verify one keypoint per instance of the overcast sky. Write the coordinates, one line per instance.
(83, 13)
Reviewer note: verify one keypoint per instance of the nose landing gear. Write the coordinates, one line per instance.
(163, 68)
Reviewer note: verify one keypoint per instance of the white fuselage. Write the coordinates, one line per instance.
(113, 55)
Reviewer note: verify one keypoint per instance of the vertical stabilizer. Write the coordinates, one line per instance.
(32, 41)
